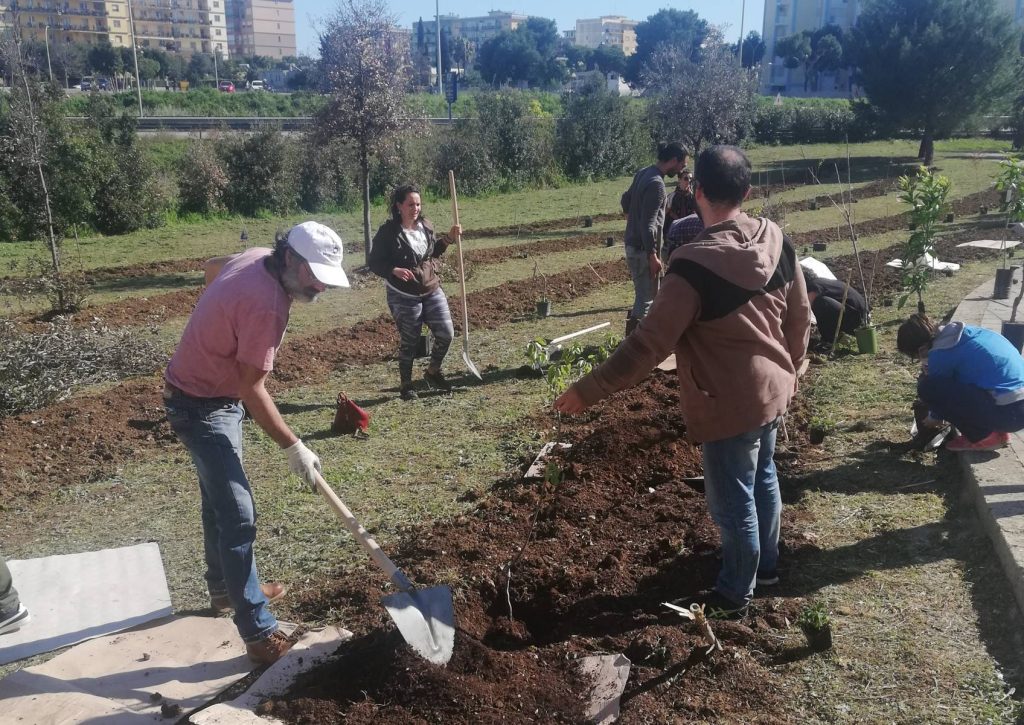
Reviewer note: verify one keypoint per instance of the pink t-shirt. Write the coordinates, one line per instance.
(241, 317)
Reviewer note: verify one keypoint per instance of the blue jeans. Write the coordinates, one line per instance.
(743, 497)
(972, 410)
(643, 283)
(211, 430)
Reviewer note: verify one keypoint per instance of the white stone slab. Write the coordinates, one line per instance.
(314, 648)
(75, 597)
(609, 674)
(668, 364)
(536, 469)
(990, 244)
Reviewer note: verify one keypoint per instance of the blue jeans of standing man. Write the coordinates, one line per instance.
(643, 282)
(743, 497)
(211, 430)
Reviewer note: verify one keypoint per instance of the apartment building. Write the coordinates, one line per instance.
(261, 27)
(783, 18)
(607, 30)
(181, 26)
(475, 30)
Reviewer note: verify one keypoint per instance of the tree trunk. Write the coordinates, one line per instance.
(920, 303)
(364, 173)
(926, 152)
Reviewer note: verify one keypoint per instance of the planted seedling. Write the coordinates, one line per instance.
(816, 624)
(537, 353)
(820, 426)
(926, 194)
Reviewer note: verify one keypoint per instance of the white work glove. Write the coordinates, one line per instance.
(303, 462)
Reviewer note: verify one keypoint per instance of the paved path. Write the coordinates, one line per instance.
(997, 478)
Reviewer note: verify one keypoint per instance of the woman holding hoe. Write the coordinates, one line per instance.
(973, 378)
(406, 254)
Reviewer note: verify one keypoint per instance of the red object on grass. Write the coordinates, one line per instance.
(349, 417)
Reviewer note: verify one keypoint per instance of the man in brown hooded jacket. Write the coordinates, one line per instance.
(734, 308)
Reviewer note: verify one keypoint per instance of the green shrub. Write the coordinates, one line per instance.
(131, 197)
(460, 148)
(261, 174)
(601, 135)
(517, 140)
(202, 181)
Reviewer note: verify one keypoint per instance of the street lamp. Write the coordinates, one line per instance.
(216, 73)
(46, 37)
(135, 57)
(437, 21)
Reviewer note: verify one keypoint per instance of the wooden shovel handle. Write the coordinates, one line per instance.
(462, 269)
(363, 536)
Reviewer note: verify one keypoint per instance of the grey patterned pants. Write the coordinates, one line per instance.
(410, 314)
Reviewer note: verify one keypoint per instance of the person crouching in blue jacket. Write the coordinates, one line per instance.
(972, 378)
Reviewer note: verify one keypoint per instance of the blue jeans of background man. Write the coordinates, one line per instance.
(211, 430)
(643, 282)
(972, 410)
(743, 497)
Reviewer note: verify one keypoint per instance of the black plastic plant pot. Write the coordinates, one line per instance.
(544, 308)
(816, 436)
(609, 242)
(588, 221)
(424, 346)
(820, 246)
(1004, 280)
(950, 217)
(819, 640)
(1014, 332)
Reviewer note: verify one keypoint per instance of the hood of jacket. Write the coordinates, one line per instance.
(949, 336)
(744, 250)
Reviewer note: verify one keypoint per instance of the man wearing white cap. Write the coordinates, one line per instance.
(221, 365)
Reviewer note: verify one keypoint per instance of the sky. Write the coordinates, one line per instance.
(563, 12)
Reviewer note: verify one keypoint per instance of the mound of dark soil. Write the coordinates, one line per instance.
(547, 573)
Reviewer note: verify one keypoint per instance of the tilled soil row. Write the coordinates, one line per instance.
(550, 573)
(85, 438)
(159, 308)
(869, 191)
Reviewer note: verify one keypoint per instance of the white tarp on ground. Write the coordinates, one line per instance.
(75, 597)
(927, 261)
(990, 244)
(819, 268)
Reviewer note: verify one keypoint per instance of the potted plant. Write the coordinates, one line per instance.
(819, 427)
(543, 307)
(820, 246)
(926, 194)
(1010, 181)
(609, 242)
(816, 624)
(425, 345)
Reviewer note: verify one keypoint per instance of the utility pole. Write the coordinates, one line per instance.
(135, 57)
(743, 14)
(216, 73)
(437, 20)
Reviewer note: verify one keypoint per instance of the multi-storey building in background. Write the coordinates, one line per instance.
(225, 27)
(261, 27)
(783, 18)
(607, 30)
(474, 30)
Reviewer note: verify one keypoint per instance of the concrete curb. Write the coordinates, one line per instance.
(996, 479)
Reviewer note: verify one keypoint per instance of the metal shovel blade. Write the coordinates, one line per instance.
(470, 365)
(426, 620)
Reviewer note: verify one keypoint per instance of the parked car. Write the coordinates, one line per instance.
(257, 86)
(87, 83)
(227, 87)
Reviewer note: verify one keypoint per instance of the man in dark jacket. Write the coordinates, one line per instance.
(643, 203)
(826, 296)
(734, 309)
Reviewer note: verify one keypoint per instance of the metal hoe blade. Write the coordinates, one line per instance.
(426, 620)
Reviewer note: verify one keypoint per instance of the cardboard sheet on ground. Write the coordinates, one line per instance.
(314, 648)
(75, 597)
(188, 660)
(609, 674)
(927, 261)
(990, 244)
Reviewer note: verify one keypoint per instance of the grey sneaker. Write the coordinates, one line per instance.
(15, 621)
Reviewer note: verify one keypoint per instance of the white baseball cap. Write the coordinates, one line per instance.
(321, 247)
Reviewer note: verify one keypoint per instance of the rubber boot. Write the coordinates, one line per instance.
(405, 374)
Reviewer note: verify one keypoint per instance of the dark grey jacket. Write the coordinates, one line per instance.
(644, 207)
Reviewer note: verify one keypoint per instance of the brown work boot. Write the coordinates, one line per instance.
(221, 604)
(270, 650)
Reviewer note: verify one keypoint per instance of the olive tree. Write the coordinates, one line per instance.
(366, 71)
(705, 102)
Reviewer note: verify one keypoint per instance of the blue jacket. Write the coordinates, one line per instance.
(978, 357)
